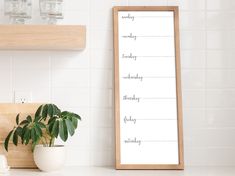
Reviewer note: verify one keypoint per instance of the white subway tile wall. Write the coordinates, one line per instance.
(83, 81)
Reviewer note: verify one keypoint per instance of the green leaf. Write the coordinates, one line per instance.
(76, 116)
(70, 127)
(64, 113)
(38, 130)
(17, 119)
(15, 138)
(63, 130)
(75, 122)
(23, 133)
(55, 129)
(44, 111)
(19, 131)
(37, 116)
(26, 137)
(68, 114)
(24, 122)
(51, 120)
(56, 110)
(29, 118)
(6, 142)
(38, 112)
(33, 135)
(50, 127)
(50, 110)
(41, 125)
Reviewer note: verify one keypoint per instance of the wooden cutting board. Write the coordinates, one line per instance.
(20, 156)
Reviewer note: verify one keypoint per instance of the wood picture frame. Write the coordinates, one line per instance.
(118, 99)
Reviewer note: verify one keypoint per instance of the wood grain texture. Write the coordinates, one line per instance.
(20, 156)
(42, 37)
(179, 166)
(116, 88)
(178, 90)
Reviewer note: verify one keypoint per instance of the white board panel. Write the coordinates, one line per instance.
(147, 88)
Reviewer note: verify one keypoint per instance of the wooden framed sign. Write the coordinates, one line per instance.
(148, 108)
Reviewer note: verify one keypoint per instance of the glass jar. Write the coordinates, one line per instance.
(18, 10)
(51, 10)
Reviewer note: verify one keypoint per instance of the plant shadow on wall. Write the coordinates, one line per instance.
(48, 123)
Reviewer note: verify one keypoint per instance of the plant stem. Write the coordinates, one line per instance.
(52, 142)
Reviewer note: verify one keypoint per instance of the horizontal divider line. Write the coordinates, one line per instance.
(154, 119)
(209, 89)
(154, 36)
(155, 56)
(145, 36)
(159, 141)
(158, 77)
(153, 16)
(157, 98)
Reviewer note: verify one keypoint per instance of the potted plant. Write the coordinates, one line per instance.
(41, 130)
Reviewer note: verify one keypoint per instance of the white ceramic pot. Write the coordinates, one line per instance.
(49, 159)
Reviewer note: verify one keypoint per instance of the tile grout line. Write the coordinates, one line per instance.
(12, 88)
(90, 90)
(208, 89)
(205, 71)
(50, 77)
(210, 108)
(208, 69)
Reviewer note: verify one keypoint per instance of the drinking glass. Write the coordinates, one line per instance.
(51, 10)
(18, 10)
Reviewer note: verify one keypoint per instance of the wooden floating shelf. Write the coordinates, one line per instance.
(42, 37)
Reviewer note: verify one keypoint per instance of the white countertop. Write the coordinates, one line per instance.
(108, 171)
